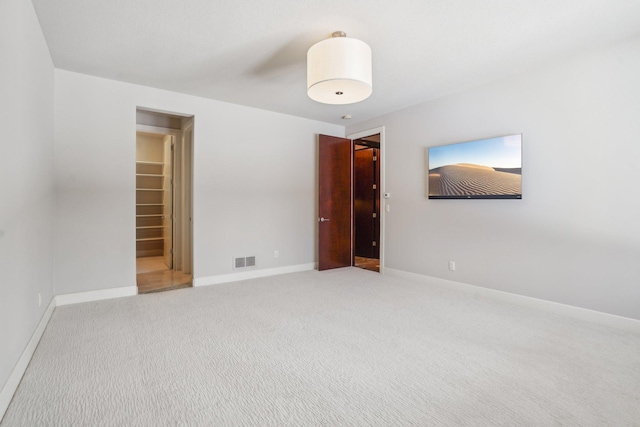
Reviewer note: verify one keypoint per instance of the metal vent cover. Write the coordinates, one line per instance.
(243, 262)
(239, 262)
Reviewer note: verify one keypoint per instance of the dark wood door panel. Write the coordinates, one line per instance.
(364, 202)
(376, 197)
(334, 205)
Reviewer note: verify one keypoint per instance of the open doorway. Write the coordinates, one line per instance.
(366, 202)
(163, 201)
(350, 212)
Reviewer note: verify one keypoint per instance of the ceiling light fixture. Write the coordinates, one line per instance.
(339, 70)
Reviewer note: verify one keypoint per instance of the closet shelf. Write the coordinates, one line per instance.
(151, 197)
(141, 162)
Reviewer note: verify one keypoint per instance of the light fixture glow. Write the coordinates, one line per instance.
(339, 70)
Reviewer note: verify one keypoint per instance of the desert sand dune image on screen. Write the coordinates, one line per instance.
(474, 181)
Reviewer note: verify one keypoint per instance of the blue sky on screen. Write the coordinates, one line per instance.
(501, 152)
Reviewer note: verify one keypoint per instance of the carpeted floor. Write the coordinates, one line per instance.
(344, 347)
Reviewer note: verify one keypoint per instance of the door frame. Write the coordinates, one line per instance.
(383, 201)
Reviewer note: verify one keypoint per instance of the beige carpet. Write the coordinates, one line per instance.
(345, 347)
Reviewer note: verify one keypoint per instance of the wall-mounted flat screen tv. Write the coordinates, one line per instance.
(483, 169)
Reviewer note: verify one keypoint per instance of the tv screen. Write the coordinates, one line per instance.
(483, 169)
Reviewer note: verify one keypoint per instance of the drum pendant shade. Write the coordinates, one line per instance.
(339, 70)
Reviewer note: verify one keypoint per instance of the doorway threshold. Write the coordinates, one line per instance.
(371, 264)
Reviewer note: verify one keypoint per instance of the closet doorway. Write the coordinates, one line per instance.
(164, 147)
(366, 202)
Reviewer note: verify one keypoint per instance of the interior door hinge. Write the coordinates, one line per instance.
(375, 215)
(374, 186)
(374, 243)
(375, 158)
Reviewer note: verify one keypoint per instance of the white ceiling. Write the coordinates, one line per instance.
(253, 52)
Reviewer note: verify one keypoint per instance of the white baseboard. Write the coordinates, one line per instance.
(252, 274)
(125, 291)
(18, 371)
(579, 313)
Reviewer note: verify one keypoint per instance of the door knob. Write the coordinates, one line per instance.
(323, 219)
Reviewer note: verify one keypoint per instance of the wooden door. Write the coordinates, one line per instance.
(187, 197)
(334, 204)
(167, 201)
(376, 197)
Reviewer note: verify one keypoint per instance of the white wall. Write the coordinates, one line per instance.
(254, 182)
(574, 238)
(26, 172)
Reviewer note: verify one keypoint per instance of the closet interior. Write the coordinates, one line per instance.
(163, 201)
(153, 194)
(366, 203)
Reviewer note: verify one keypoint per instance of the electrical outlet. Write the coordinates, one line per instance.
(452, 265)
(276, 254)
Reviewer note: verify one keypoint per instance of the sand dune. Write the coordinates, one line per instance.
(472, 180)
(471, 165)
